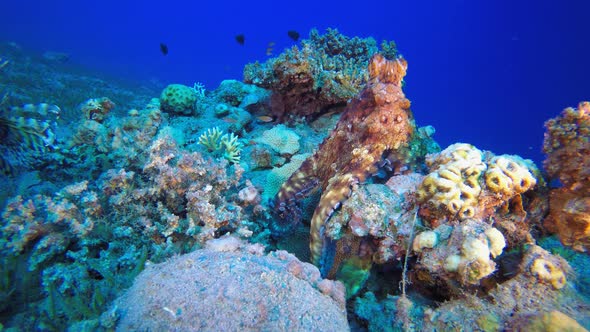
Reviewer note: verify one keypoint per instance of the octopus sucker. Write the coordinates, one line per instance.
(374, 130)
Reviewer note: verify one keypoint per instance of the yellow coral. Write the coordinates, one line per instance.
(509, 175)
(214, 139)
(232, 146)
(211, 139)
(548, 272)
(454, 185)
(457, 186)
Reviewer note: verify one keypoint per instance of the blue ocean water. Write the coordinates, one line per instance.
(485, 73)
(125, 187)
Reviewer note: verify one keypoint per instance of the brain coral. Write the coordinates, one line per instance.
(232, 286)
(178, 99)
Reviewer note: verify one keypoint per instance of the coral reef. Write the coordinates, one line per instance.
(238, 287)
(116, 142)
(567, 145)
(173, 204)
(418, 238)
(323, 74)
(376, 126)
(512, 302)
(523, 302)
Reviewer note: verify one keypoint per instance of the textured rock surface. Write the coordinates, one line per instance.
(232, 286)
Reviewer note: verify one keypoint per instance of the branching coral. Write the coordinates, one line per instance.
(214, 140)
(211, 139)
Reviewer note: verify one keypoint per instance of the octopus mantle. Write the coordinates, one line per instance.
(373, 131)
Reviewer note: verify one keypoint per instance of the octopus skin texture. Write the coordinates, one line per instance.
(373, 131)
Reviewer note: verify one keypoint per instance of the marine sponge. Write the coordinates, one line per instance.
(463, 253)
(427, 239)
(567, 145)
(474, 263)
(548, 272)
(179, 99)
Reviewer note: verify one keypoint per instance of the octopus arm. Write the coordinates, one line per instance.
(286, 205)
(322, 245)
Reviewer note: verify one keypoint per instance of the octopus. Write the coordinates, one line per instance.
(372, 133)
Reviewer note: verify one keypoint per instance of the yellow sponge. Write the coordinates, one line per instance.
(546, 271)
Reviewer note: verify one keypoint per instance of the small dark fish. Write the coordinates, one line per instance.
(293, 35)
(164, 48)
(241, 39)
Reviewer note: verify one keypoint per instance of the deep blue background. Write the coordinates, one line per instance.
(484, 72)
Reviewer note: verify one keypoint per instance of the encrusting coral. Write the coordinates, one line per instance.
(376, 125)
(567, 145)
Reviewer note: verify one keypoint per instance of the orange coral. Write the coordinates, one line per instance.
(570, 218)
(567, 144)
(375, 126)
